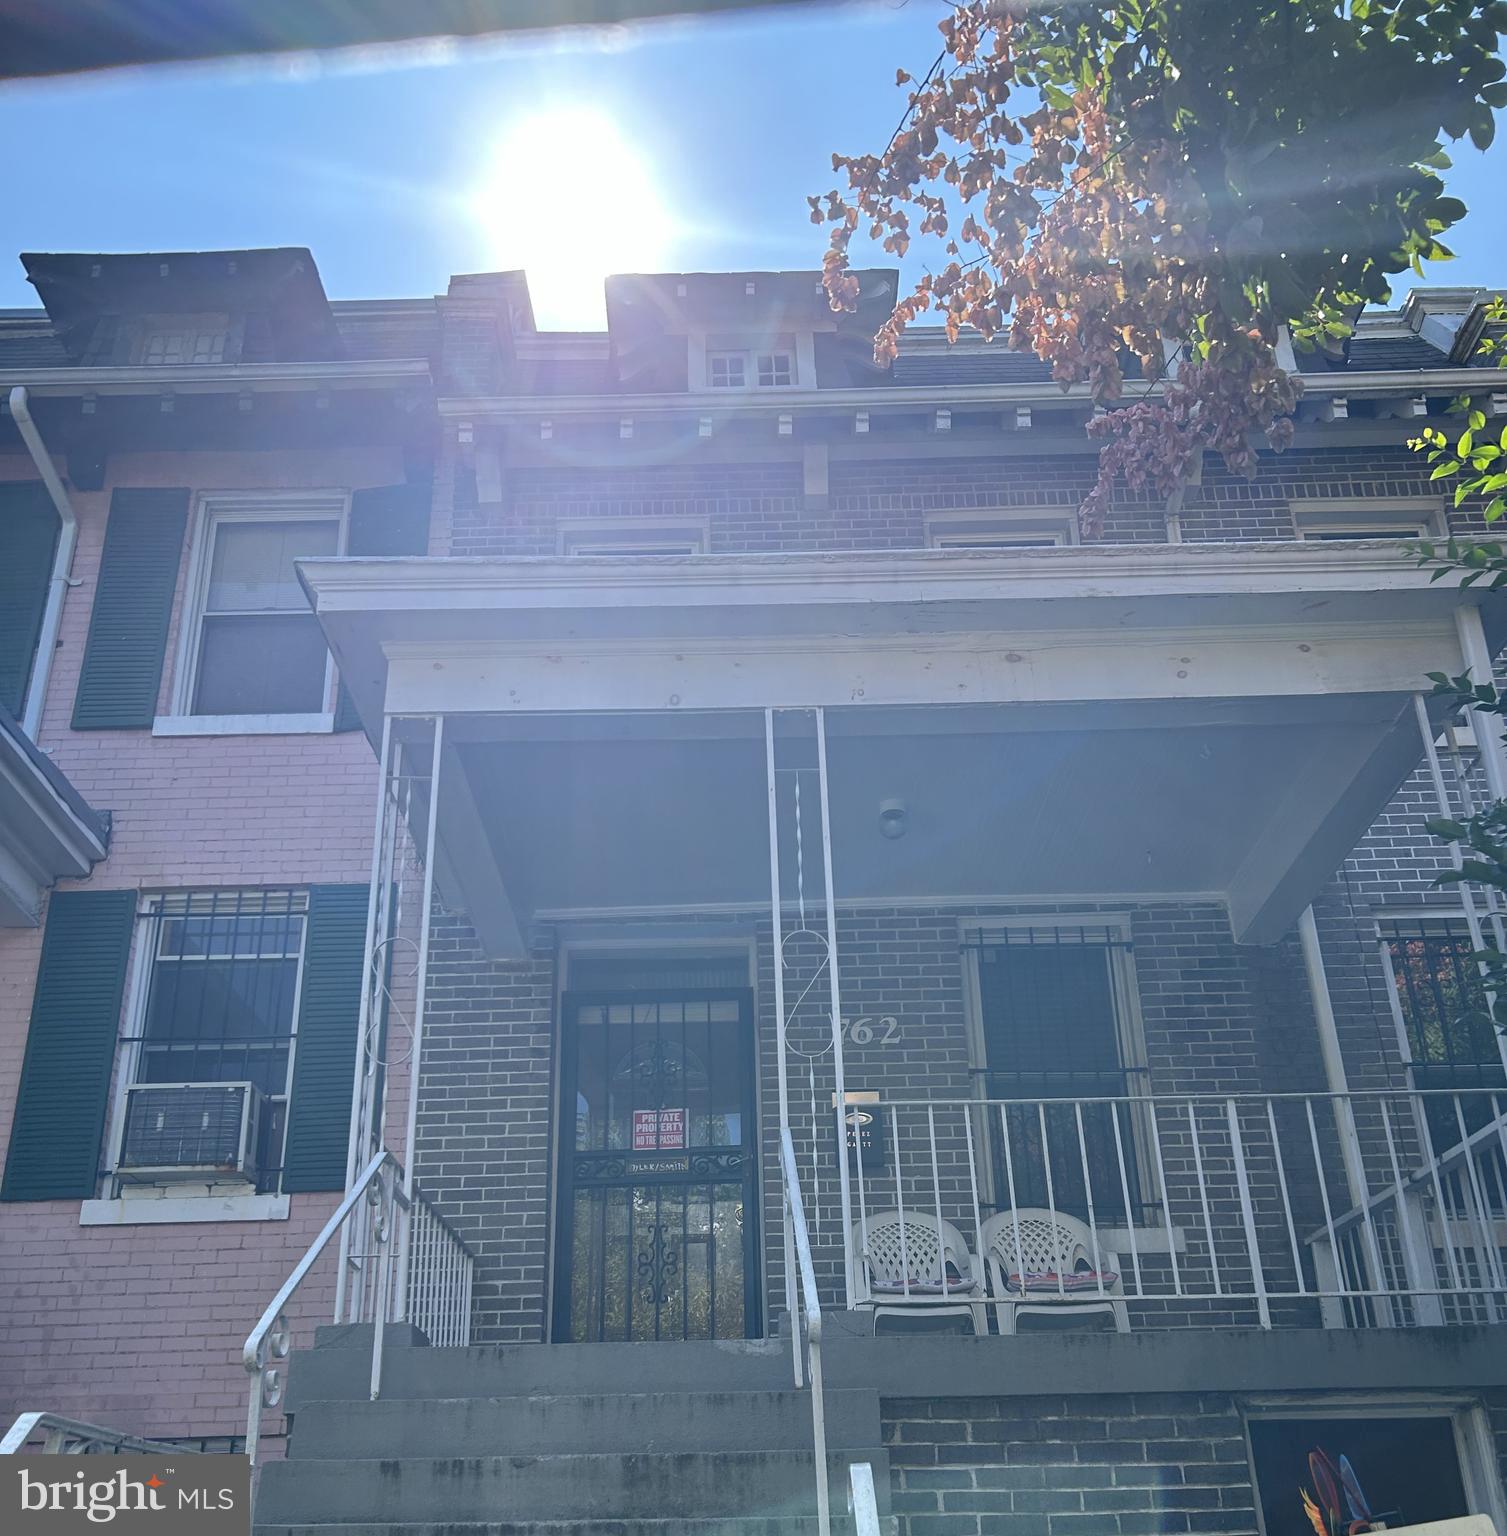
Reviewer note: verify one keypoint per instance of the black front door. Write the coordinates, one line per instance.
(657, 1213)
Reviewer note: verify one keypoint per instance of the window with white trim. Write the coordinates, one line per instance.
(1001, 538)
(1441, 1002)
(215, 1002)
(1056, 1040)
(254, 647)
(1410, 1462)
(1340, 523)
(1022, 528)
(634, 537)
(744, 366)
(776, 370)
(727, 370)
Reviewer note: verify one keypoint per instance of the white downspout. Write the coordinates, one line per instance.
(62, 561)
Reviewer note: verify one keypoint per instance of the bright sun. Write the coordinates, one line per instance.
(570, 200)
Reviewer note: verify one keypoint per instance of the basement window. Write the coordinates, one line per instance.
(1413, 1463)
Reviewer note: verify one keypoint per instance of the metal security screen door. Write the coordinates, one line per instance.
(658, 1215)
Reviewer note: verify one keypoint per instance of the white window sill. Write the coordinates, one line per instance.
(243, 725)
(149, 1210)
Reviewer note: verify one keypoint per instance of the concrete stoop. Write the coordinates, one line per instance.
(600, 1439)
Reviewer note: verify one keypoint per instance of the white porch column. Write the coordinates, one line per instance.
(421, 981)
(1344, 1115)
(1488, 731)
(1441, 798)
(1333, 1058)
(349, 1280)
(840, 1084)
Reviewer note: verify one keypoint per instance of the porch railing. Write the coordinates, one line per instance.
(53, 1434)
(438, 1267)
(1344, 1210)
(399, 1259)
(803, 1305)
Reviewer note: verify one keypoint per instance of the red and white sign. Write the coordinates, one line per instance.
(659, 1130)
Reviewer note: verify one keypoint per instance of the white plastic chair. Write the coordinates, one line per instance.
(923, 1272)
(1035, 1242)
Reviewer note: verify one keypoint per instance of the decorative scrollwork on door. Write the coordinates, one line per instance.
(656, 1266)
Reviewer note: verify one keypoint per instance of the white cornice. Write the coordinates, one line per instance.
(1081, 571)
(502, 408)
(214, 378)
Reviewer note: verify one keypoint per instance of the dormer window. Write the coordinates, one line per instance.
(738, 362)
(169, 341)
(727, 370)
(776, 370)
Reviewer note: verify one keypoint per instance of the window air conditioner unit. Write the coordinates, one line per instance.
(198, 1131)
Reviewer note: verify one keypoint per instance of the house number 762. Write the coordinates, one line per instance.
(867, 1029)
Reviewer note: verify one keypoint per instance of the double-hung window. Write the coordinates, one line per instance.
(216, 1000)
(253, 648)
(1441, 1004)
(1057, 1046)
(1447, 1034)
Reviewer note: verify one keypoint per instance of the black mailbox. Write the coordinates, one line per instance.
(863, 1128)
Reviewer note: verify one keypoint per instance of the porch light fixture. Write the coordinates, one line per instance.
(893, 819)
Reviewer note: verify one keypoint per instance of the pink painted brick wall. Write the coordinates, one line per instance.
(141, 1327)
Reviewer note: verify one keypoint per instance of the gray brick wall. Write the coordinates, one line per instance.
(1216, 1017)
(1077, 1466)
(1112, 1465)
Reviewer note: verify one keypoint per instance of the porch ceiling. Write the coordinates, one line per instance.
(1181, 800)
(1124, 721)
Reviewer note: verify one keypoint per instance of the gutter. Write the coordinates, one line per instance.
(774, 402)
(215, 378)
(62, 562)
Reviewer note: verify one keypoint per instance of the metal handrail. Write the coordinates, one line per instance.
(862, 1499)
(268, 1343)
(1451, 1157)
(90, 1438)
(811, 1313)
(1208, 1096)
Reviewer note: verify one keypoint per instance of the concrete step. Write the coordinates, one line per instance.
(622, 1487)
(650, 1421)
(529, 1370)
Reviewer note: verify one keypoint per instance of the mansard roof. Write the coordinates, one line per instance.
(480, 337)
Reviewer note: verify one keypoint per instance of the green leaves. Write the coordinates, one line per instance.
(1208, 173)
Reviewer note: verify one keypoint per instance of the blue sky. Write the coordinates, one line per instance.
(399, 169)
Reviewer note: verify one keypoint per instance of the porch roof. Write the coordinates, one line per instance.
(1124, 720)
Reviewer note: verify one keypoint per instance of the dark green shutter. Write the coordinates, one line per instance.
(70, 1047)
(324, 1062)
(385, 520)
(28, 538)
(133, 601)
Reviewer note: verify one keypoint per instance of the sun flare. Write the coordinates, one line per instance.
(570, 199)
